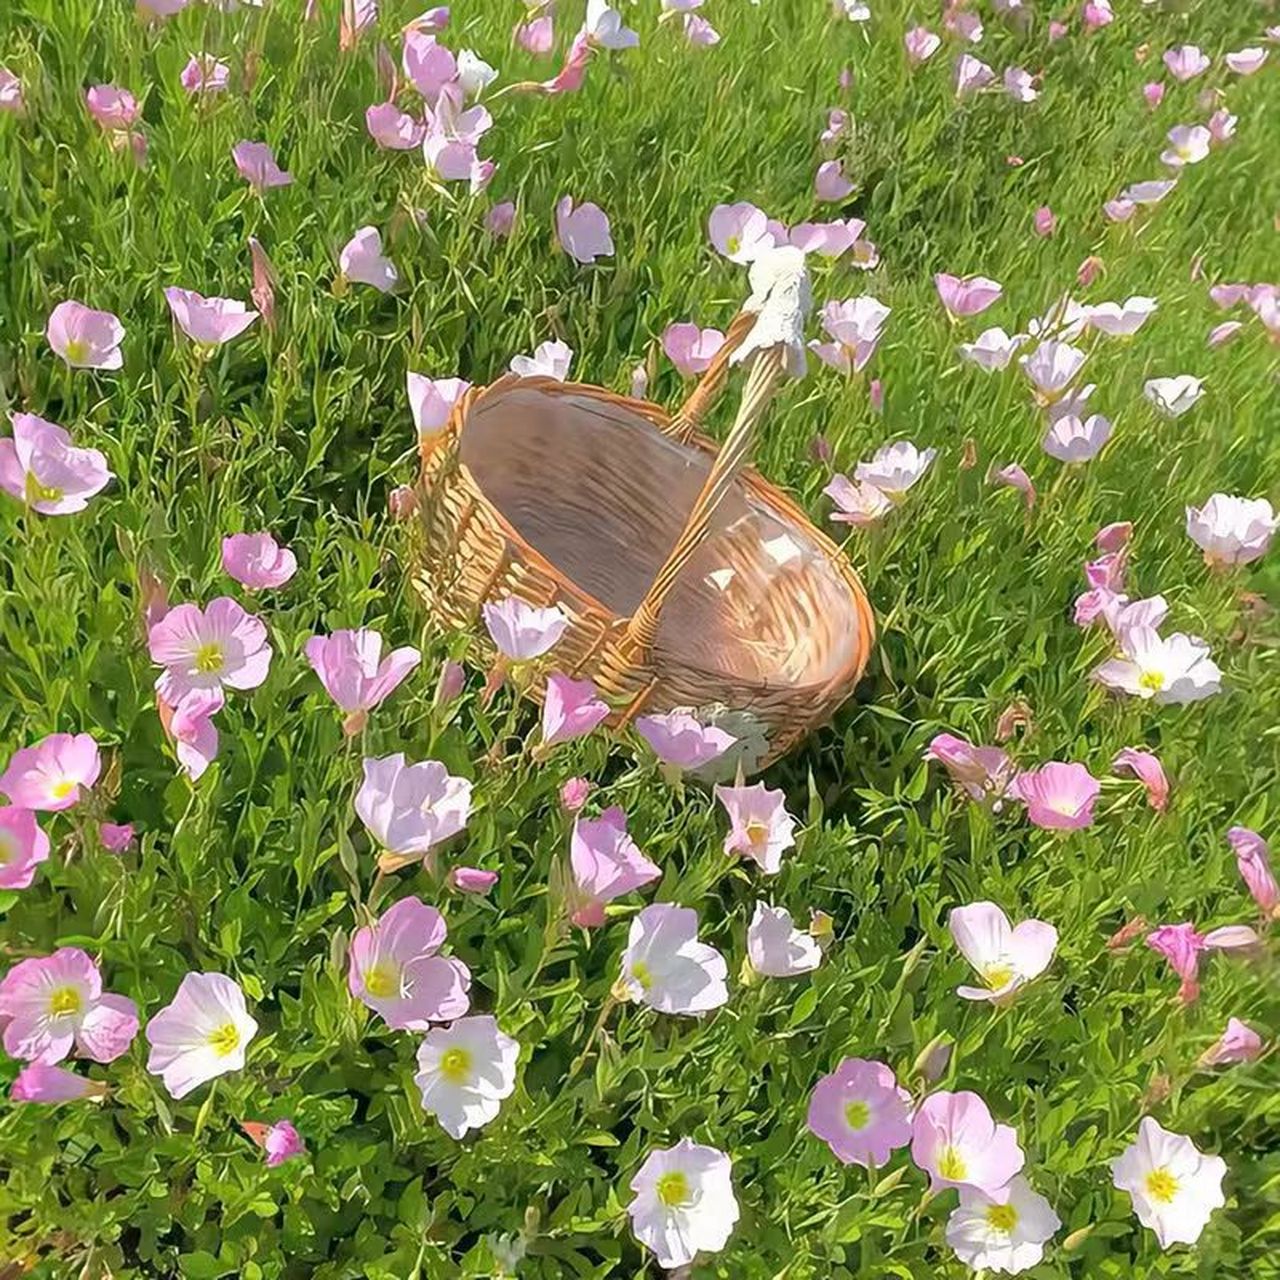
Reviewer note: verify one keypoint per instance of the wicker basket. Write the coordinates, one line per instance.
(689, 580)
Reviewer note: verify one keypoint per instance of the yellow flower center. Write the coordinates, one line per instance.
(640, 973)
(1152, 680)
(951, 1165)
(997, 976)
(8, 849)
(455, 1065)
(1162, 1185)
(673, 1189)
(1002, 1217)
(208, 659)
(734, 243)
(62, 789)
(857, 1115)
(757, 833)
(77, 349)
(225, 1040)
(37, 492)
(65, 1000)
(381, 981)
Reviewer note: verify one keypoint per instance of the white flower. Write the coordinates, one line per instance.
(992, 348)
(549, 360)
(411, 808)
(1174, 1188)
(1172, 670)
(1151, 192)
(1173, 396)
(201, 1033)
(1065, 320)
(667, 968)
(1004, 1233)
(464, 1072)
(1117, 319)
(475, 75)
(1188, 144)
(684, 1202)
(1232, 530)
(1004, 956)
(895, 468)
(1072, 439)
(363, 262)
(1052, 366)
(776, 947)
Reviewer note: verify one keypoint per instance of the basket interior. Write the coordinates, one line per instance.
(603, 495)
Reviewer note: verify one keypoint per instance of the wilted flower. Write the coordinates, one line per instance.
(1005, 957)
(208, 321)
(279, 1141)
(205, 74)
(1186, 62)
(1153, 93)
(1232, 530)
(1253, 860)
(699, 32)
(501, 219)
(10, 92)
(1173, 1186)
(574, 793)
(465, 1071)
(257, 560)
(859, 504)
(1182, 945)
(895, 468)
(84, 338)
(549, 360)
(537, 34)
(1113, 537)
(606, 863)
(689, 348)
(263, 291)
(957, 1143)
(50, 775)
(583, 231)
(363, 262)
(220, 645)
(1096, 14)
(760, 827)
(776, 948)
(683, 1203)
(1016, 478)
(411, 808)
(1059, 797)
(1188, 144)
(966, 296)
(47, 473)
(202, 1033)
(523, 631)
(1171, 670)
(37, 1082)
(1147, 768)
(983, 772)
(257, 165)
(1045, 221)
(740, 231)
(1238, 1043)
(1002, 1231)
(354, 672)
(23, 846)
(115, 837)
(570, 709)
(679, 739)
(665, 966)
(860, 1112)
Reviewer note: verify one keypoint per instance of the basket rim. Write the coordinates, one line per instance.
(780, 504)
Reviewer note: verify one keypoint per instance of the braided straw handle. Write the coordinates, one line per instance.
(690, 415)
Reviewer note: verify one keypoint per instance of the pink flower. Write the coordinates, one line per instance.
(606, 863)
(984, 773)
(1223, 332)
(679, 739)
(1149, 771)
(1051, 368)
(354, 673)
(740, 232)
(895, 468)
(208, 321)
(10, 92)
(1057, 30)
(1244, 62)
(392, 128)
(42, 468)
(776, 948)
(1059, 797)
(84, 338)
(857, 502)
(434, 19)
(971, 74)
(1182, 944)
(570, 709)
(760, 827)
(861, 1113)
(571, 75)
(37, 1082)
(471, 880)
(1238, 1043)
(363, 262)
(23, 846)
(202, 1033)
(1016, 478)
(256, 560)
(992, 349)
(583, 232)
(921, 45)
(522, 631)
(263, 291)
(49, 1003)
(967, 296)
(115, 837)
(220, 645)
(1113, 537)
(112, 108)
(280, 1141)
(501, 219)
(194, 734)
(830, 182)
(666, 968)
(1045, 221)
(1185, 62)
(962, 23)
(691, 349)
(449, 684)
(699, 32)
(428, 64)
(1188, 144)
(1075, 440)
(1153, 92)
(1097, 14)
(1020, 85)
(537, 35)
(574, 793)
(354, 18)
(1253, 860)
(257, 165)
(1232, 530)
(49, 775)
(205, 74)
(831, 239)
(838, 122)
(431, 400)
(411, 808)
(855, 325)
(549, 360)
(452, 136)
(1005, 957)
(396, 972)
(957, 1143)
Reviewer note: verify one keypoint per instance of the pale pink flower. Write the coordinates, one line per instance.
(1231, 529)
(957, 1143)
(699, 32)
(1057, 30)
(971, 74)
(50, 775)
(115, 837)
(220, 645)
(679, 739)
(665, 967)
(606, 863)
(861, 1113)
(570, 709)
(23, 846)
(537, 35)
(208, 321)
(392, 128)
(263, 291)
(1244, 62)
(202, 1033)
(857, 503)
(84, 338)
(1121, 319)
(875, 395)
(1016, 478)
(1045, 221)
(549, 360)
(1075, 440)
(1182, 945)
(574, 793)
(465, 1071)
(683, 1203)
(1149, 771)
(396, 972)
(500, 221)
(1088, 270)
(1254, 862)
(523, 631)
(760, 827)
(1150, 192)
(111, 107)
(471, 879)
(966, 296)
(1097, 14)
(1153, 93)
(830, 183)
(605, 29)
(195, 736)
(1006, 957)
(992, 349)
(1052, 367)
(1001, 1232)
(1119, 209)
(279, 1141)
(1238, 1043)
(855, 325)
(984, 773)
(354, 18)
(10, 92)
(433, 19)
(452, 136)
(428, 65)
(363, 262)
(921, 45)
(431, 400)
(831, 239)
(449, 683)
(411, 808)
(1171, 670)
(1174, 1187)
(689, 348)
(1222, 125)
(257, 560)
(1059, 797)
(1020, 85)
(205, 74)
(776, 948)
(50, 1003)
(1113, 537)
(740, 232)
(962, 23)
(354, 672)
(47, 473)
(895, 468)
(1186, 62)
(838, 121)
(37, 1082)
(1188, 144)
(257, 165)
(161, 8)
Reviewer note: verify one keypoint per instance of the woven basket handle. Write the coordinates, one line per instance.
(689, 417)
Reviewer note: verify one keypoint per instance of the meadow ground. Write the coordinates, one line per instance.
(259, 870)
